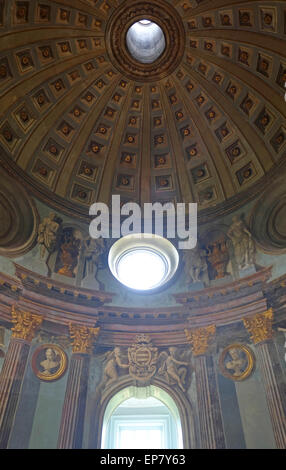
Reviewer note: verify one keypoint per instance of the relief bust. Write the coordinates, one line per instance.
(49, 362)
(236, 362)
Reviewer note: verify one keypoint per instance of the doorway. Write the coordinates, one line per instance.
(142, 418)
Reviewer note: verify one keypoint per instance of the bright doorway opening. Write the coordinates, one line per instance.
(142, 418)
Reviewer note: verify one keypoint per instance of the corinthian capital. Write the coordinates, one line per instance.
(83, 338)
(25, 324)
(259, 326)
(199, 338)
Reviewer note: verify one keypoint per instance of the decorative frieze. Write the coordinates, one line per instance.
(142, 361)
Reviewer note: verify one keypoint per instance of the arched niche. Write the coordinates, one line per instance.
(268, 219)
(218, 247)
(104, 404)
(18, 218)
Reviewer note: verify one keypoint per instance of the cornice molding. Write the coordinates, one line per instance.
(227, 305)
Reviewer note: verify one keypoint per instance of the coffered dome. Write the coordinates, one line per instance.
(82, 119)
(155, 101)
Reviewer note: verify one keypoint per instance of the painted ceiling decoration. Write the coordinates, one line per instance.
(82, 120)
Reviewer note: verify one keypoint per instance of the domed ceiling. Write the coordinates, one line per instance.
(82, 120)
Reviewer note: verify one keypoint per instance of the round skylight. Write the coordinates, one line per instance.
(145, 278)
(143, 261)
(145, 41)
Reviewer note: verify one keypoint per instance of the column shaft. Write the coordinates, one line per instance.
(276, 398)
(72, 422)
(211, 427)
(260, 328)
(11, 379)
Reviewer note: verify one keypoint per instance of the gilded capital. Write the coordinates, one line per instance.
(83, 338)
(260, 326)
(199, 338)
(25, 324)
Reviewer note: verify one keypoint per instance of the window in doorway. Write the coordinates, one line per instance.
(142, 423)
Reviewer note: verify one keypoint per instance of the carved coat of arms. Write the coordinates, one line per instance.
(142, 356)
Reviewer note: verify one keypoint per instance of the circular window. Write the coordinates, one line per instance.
(145, 41)
(143, 261)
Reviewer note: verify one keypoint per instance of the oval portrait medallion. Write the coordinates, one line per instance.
(236, 362)
(49, 362)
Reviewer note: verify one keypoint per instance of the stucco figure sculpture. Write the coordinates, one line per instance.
(243, 244)
(92, 249)
(196, 268)
(48, 233)
(114, 362)
(173, 370)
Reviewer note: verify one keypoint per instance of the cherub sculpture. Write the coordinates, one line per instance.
(112, 366)
(173, 369)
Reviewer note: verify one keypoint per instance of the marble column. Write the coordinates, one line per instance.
(12, 374)
(260, 328)
(72, 421)
(209, 411)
